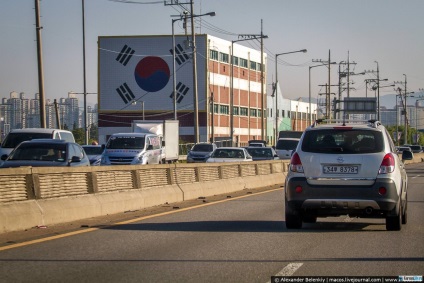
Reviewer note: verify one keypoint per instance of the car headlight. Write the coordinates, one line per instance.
(142, 158)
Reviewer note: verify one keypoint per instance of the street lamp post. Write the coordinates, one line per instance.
(397, 121)
(142, 107)
(193, 46)
(378, 92)
(246, 37)
(376, 89)
(174, 79)
(310, 104)
(276, 89)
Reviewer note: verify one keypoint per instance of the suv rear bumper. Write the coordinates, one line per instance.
(363, 201)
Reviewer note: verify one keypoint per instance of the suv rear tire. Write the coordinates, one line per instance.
(293, 218)
(405, 211)
(394, 222)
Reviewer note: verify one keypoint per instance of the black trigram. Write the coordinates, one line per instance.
(180, 55)
(182, 90)
(125, 93)
(125, 55)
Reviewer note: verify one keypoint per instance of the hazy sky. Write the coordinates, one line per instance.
(388, 31)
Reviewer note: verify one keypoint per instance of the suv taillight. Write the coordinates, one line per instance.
(387, 165)
(296, 164)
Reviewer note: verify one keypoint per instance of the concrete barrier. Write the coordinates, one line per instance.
(31, 197)
(46, 196)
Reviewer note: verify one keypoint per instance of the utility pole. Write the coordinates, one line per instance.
(406, 111)
(403, 99)
(262, 83)
(57, 114)
(195, 100)
(328, 97)
(38, 28)
(84, 76)
(378, 92)
(193, 46)
(328, 90)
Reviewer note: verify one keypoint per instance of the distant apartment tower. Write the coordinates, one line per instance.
(17, 112)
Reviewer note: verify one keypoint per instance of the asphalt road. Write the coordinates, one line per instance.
(238, 239)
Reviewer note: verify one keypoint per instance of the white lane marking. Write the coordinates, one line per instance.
(289, 270)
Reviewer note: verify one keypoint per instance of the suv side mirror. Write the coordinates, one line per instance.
(407, 155)
(75, 159)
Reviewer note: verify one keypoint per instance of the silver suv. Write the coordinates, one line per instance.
(347, 168)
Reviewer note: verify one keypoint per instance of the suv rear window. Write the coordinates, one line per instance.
(202, 147)
(287, 144)
(346, 141)
(13, 139)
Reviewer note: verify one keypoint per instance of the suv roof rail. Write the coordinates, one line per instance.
(317, 122)
(373, 123)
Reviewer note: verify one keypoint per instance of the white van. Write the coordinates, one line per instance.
(132, 149)
(16, 136)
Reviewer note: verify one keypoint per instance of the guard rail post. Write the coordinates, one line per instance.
(36, 192)
(170, 174)
(136, 179)
(92, 183)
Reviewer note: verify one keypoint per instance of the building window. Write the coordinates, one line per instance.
(288, 114)
(252, 65)
(235, 61)
(223, 57)
(253, 112)
(215, 108)
(260, 112)
(224, 109)
(243, 111)
(282, 113)
(236, 110)
(243, 63)
(259, 67)
(213, 54)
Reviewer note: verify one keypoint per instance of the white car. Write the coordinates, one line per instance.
(229, 154)
(285, 147)
(350, 169)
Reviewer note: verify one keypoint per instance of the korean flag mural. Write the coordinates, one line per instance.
(140, 69)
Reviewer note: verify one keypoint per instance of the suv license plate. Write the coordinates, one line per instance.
(340, 169)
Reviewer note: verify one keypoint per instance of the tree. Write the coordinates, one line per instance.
(79, 135)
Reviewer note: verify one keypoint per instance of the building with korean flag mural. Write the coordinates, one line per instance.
(136, 81)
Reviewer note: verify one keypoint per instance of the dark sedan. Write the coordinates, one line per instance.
(46, 152)
(200, 152)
